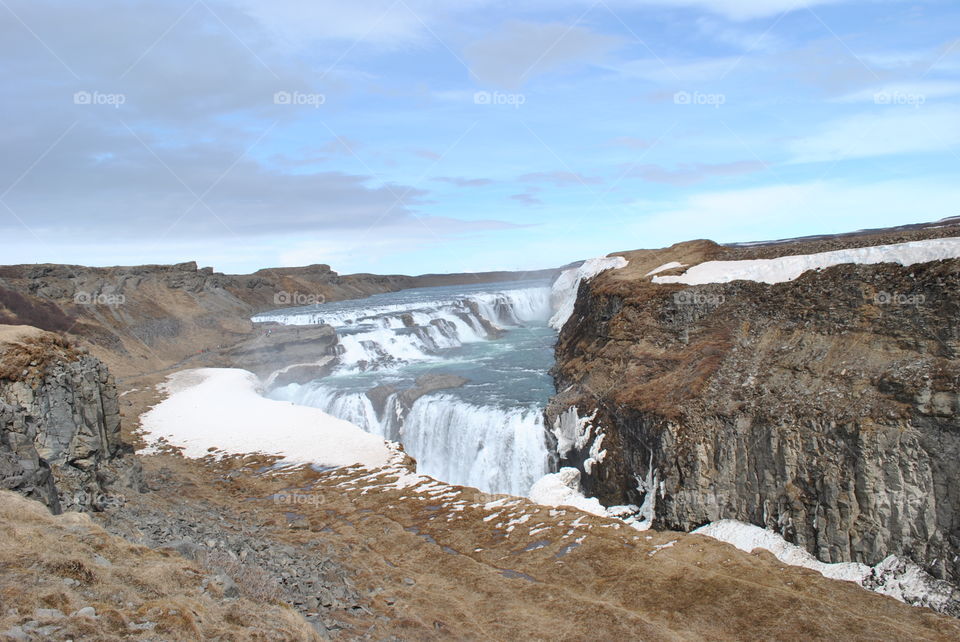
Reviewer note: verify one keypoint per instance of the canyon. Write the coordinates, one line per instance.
(821, 408)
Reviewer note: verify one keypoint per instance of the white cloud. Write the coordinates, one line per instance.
(373, 22)
(365, 250)
(916, 92)
(735, 9)
(522, 50)
(892, 129)
(764, 213)
(389, 23)
(681, 74)
(692, 173)
(744, 40)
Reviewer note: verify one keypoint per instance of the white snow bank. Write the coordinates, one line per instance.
(666, 266)
(788, 268)
(563, 294)
(747, 537)
(894, 576)
(562, 488)
(223, 408)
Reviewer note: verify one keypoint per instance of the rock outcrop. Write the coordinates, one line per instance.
(283, 354)
(424, 385)
(59, 424)
(825, 408)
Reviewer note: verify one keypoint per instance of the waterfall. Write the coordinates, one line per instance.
(388, 335)
(480, 435)
(495, 449)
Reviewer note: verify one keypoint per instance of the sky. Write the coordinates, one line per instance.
(416, 136)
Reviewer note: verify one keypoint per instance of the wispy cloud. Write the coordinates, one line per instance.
(526, 198)
(891, 129)
(464, 182)
(523, 50)
(693, 173)
(792, 209)
(735, 9)
(631, 142)
(561, 178)
(427, 154)
(915, 92)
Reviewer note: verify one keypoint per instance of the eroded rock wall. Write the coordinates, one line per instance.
(60, 433)
(824, 408)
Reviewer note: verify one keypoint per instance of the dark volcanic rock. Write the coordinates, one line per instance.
(425, 384)
(432, 383)
(21, 468)
(825, 408)
(378, 397)
(60, 431)
(278, 347)
(303, 373)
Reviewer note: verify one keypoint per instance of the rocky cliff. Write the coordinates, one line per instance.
(824, 408)
(59, 423)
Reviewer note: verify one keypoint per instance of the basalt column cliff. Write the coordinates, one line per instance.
(824, 408)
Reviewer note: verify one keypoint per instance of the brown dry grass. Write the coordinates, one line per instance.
(612, 585)
(615, 585)
(67, 562)
(25, 349)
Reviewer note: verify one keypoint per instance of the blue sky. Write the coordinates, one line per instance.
(412, 136)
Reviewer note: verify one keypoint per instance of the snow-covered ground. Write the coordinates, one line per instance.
(897, 577)
(747, 537)
(563, 489)
(223, 409)
(788, 268)
(563, 293)
(672, 265)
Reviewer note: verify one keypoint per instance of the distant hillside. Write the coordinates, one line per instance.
(149, 317)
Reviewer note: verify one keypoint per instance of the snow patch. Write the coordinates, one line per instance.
(747, 537)
(563, 293)
(223, 409)
(562, 488)
(672, 265)
(788, 268)
(894, 576)
(659, 547)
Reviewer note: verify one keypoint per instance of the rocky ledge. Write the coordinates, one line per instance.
(824, 408)
(59, 423)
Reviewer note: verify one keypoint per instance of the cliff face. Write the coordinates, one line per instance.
(825, 408)
(59, 424)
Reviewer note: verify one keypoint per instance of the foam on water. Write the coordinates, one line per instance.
(388, 334)
(496, 449)
(488, 434)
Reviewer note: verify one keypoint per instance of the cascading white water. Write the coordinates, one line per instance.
(524, 304)
(354, 407)
(390, 334)
(500, 450)
(504, 450)
(488, 434)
